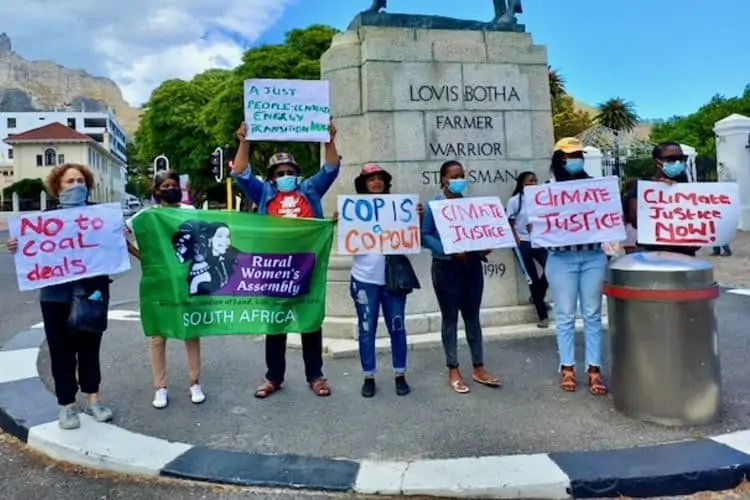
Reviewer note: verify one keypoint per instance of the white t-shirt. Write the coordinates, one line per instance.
(369, 268)
(129, 222)
(520, 216)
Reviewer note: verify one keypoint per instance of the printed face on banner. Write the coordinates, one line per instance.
(60, 246)
(287, 110)
(687, 214)
(472, 224)
(575, 212)
(383, 224)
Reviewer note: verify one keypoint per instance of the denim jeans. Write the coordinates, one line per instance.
(368, 299)
(575, 276)
(539, 284)
(458, 287)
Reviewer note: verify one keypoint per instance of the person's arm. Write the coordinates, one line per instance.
(512, 209)
(132, 250)
(324, 178)
(429, 233)
(241, 170)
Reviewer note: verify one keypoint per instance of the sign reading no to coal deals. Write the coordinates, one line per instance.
(287, 110)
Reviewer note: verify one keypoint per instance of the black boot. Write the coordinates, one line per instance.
(368, 388)
(402, 388)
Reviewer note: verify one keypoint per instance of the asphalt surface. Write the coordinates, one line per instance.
(528, 415)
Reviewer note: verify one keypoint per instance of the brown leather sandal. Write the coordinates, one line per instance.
(266, 389)
(568, 382)
(320, 387)
(596, 384)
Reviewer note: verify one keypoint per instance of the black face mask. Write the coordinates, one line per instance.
(171, 196)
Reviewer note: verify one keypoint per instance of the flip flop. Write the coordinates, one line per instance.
(488, 382)
(459, 386)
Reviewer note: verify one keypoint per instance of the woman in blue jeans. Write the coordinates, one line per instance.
(576, 273)
(519, 223)
(369, 292)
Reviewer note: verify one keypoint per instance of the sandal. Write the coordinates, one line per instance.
(320, 387)
(487, 380)
(459, 386)
(596, 384)
(266, 389)
(568, 382)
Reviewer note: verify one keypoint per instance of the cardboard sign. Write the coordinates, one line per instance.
(687, 214)
(60, 246)
(378, 224)
(287, 110)
(575, 212)
(472, 224)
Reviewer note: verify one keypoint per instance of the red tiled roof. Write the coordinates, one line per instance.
(49, 133)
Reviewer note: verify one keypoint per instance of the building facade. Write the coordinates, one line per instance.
(96, 125)
(37, 151)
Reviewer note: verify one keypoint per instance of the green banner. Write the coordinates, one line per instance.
(231, 273)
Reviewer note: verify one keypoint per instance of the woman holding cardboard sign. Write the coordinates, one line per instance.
(576, 272)
(458, 281)
(73, 335)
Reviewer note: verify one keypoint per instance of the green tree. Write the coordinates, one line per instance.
(567, 120)
(25, 188)
(617, 114)
(557, 88)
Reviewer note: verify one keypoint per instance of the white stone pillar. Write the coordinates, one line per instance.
(43, 200)
(410, 99)
(593, 163)
(692, 154)
(16, 202)
(733, 159)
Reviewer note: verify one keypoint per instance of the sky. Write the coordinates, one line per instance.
(668, 57)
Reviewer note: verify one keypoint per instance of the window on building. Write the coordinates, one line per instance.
(60, 159)
(94, 122)
(11, 123)
(50, 157)
(39, 160)
(72, 123)
(97, 137)
(10, 153)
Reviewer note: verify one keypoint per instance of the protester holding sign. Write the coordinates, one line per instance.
(167, 193)
(458, 280)
(285, 194)
(576, 272)
(380, 280)
(519, 221)
(74, 312)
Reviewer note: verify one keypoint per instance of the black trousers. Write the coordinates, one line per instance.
(312, 355)
(70, 351)
(539, 285)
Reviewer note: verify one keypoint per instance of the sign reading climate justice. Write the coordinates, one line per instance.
(575, 212)
(287, 110)
(687, 214)
(472, 224)
(60, 246)
(384, 224)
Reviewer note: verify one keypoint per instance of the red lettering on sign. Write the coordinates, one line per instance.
(357, 242)
(481, 232)
(74, 267)
(585, 221)
(548, 198)
(698, 233)
(48, 226)
(32, 247)
(659, 197)
(474, 211)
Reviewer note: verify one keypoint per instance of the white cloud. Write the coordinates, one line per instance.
(138, 43)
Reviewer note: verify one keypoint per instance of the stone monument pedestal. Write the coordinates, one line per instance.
(410, 99)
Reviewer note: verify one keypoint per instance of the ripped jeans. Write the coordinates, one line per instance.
(368, 299)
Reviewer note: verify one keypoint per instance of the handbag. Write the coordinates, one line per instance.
(88, 312)
(400, 278)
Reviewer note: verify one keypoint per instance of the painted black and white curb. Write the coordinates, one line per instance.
(28, 411)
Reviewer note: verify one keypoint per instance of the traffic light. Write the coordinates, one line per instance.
(161, 164)
(216, 161)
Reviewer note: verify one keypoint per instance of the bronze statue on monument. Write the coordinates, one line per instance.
(505, 13)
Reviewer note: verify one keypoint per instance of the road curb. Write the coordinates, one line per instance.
(28, 411)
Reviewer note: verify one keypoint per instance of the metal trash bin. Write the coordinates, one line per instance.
(664, 343)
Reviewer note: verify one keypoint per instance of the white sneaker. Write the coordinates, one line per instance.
(160, 398)
(196, 394)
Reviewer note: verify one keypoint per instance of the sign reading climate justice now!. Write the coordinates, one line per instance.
(231, 273)
(575, 212)
(60, 246)
(472, 224)
(287, 110)
(687, 214)
(384, 224)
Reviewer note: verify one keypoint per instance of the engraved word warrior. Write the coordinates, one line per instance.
(505, 10)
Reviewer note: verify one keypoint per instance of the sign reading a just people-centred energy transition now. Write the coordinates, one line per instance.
(385, 224)
(287, 110)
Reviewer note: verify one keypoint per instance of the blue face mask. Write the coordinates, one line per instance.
(74, 196)
(457, 186)
(287, 183)
(574, 165)
(673, 169)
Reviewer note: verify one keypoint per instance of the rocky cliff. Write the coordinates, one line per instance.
(43, 85)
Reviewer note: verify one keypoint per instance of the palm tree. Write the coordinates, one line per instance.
(556, 84)
(617, 114)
